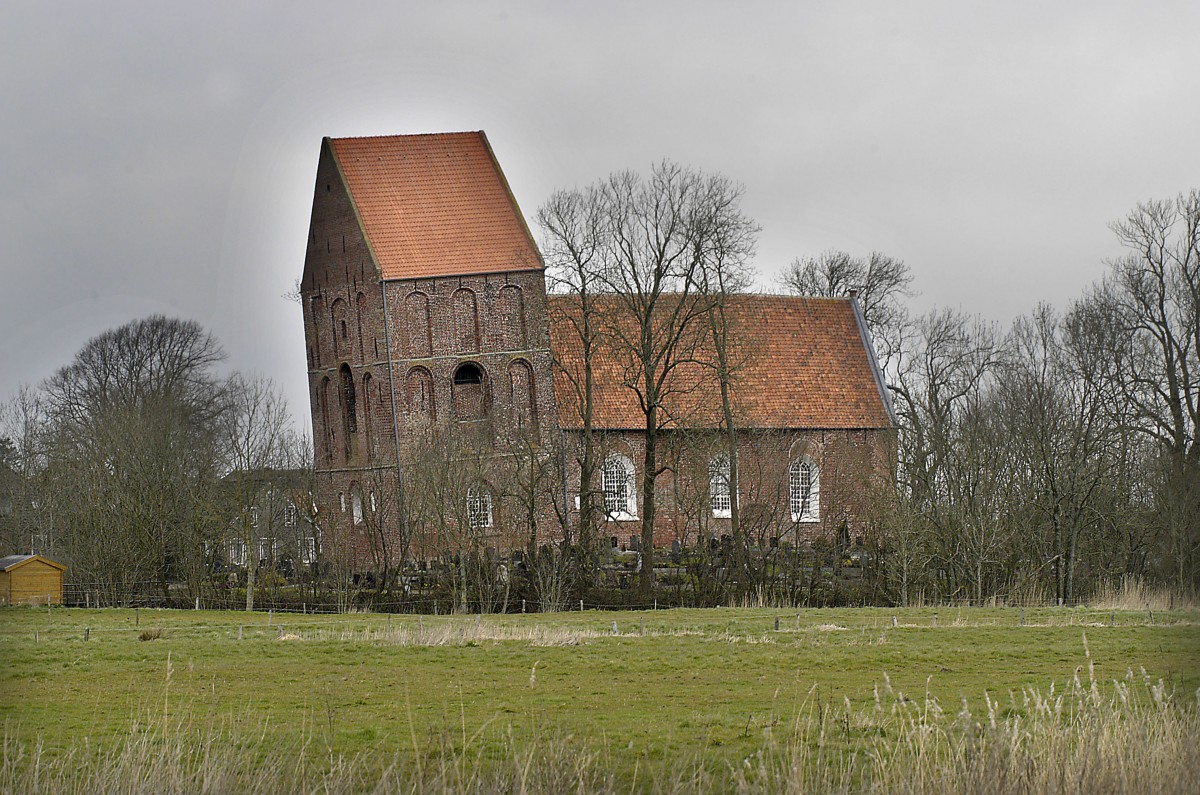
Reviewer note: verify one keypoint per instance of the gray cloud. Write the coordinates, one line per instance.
(160, 157)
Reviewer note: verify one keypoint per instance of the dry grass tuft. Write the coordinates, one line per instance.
(150, 633)
(1130, 735)
(1136, 594)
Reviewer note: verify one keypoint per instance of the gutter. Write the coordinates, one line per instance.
(880, 384)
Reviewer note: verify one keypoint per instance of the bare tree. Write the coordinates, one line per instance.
(724, 273)
(131, 449)
(943, 368)
(256, 436)
(1153, 298)
(574, 243)
(659, 233)
(24, 527)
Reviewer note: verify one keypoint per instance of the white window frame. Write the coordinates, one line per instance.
(479, 508)
(254, 516)
(801, 510)
(719, 492)
(289, 515)
(237, 552)
(308, 550)
(267, 549)
(620, 493)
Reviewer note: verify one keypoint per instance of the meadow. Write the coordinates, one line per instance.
(917, 700)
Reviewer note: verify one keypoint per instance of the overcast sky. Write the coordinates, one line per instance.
(159, 157)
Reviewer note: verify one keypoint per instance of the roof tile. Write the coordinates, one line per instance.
(799, 363)
(435, 205)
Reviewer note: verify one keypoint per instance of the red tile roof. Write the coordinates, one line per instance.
(435, 205)
(800, 363)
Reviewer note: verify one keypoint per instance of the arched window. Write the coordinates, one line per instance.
(420, 394)
(510, 307)
(361, 305)
(326, 400)
(341, 337)
(366, 412)
(522, 397)
(466, 321)
(316, 311)
(417, 323)
(470, 395)
(479, 507)
(804, 491)
(356, 503)
(349, 410)
(620, 497)
(718, 487)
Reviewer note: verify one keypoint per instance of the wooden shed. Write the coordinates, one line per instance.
(30, 580)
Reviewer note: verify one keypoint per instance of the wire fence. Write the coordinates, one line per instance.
(325, 602)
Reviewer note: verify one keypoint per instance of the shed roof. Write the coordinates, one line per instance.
(435, 205)
(16, 561)
(798, 363)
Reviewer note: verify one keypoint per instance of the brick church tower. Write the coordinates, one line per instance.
(428, 353)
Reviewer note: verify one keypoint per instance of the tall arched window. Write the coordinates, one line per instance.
(620, 497)
(341, 334)
(522, 397)
(417, 324)
(470, 392)
(420, 394)
(510, 307)
(361, 305)
(804, 491)
(356, 504)
(326, 398)
(466, 321)
(366, 413)
(317, 313)
(349, 410)
(718, 487)
(479, 507)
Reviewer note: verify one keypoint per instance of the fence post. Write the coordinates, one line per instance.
(87, 631)
(522, 605)
(580, 605)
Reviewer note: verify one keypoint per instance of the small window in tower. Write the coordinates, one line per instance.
(469, 397)
(468, 374)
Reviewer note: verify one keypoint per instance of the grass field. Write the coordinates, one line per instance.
(673, 699)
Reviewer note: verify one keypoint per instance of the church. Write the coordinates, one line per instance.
(441, 371)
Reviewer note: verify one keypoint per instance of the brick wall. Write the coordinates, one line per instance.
(849, 463)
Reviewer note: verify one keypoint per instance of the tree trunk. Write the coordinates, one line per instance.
(649, 468)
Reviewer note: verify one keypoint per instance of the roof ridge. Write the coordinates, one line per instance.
(404, 135)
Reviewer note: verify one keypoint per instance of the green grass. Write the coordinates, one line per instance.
(711, 684)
